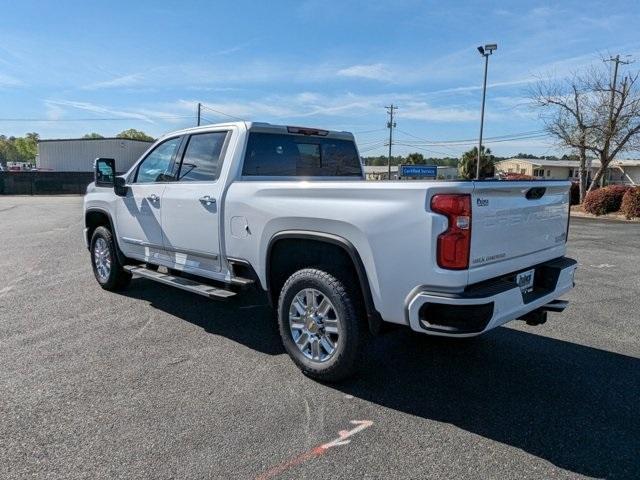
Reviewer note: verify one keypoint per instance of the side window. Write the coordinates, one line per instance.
(156, 167)
(201, 159)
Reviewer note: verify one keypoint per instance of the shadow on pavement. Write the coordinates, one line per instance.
(247, 320)
(577, 407)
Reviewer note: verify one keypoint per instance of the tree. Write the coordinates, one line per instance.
(27, 147)
(616, 125)
(591, 113)
(93, 135)
(134, 134)
(415, 159)
(8, 150)
(469, 161)
(565, 106)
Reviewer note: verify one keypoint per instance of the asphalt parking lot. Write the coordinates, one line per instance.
(159, 383)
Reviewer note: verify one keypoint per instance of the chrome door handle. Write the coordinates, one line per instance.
(207, 200)
(153, 197)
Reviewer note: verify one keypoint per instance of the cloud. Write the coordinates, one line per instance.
(9, 81)
(374, 71)
(122, 81)
(325, 106)
(93, 108)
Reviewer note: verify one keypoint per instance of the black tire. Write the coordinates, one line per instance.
(353, 330)
(117, 278)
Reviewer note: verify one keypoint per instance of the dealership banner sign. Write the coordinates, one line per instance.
(424, 171)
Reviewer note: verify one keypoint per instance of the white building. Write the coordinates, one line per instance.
(78, 154)
(619, 171)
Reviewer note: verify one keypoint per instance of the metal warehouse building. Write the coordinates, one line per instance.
(78, 154)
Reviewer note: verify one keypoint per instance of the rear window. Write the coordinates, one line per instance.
(276, 155)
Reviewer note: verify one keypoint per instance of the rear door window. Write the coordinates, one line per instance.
(201, 159)
(277, 155)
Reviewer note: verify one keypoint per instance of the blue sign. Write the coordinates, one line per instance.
(419, 171)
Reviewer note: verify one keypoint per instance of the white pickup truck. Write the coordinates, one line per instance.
(216, 209)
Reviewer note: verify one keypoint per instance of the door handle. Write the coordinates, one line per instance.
(207, 200)
(153, 197)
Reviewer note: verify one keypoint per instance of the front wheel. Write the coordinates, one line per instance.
(104, 260)
(319, 325)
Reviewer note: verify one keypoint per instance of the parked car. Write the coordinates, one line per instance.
(217, 209)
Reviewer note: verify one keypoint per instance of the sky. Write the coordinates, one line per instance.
(69, 68)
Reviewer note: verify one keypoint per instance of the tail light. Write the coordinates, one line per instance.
(454, 244)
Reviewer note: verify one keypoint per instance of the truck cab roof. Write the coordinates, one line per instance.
(265, 127)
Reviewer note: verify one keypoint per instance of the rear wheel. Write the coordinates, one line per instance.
(106, 267)
(319, 325)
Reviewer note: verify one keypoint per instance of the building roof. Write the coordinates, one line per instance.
(379, 168)
(92, 139)
(540, 162)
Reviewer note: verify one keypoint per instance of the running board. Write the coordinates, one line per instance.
(241, 281)
(181, 283)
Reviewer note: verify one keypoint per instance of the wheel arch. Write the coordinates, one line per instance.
(321, 238)
(97, 217)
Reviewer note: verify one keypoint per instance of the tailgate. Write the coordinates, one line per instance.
(515, 219)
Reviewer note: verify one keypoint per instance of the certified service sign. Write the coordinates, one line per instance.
(425, 171)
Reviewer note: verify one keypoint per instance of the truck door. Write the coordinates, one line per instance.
(191, 205)
(138, 219)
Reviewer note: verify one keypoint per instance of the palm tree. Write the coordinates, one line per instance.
(468, 162)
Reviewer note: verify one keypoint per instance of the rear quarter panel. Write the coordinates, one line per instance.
(387, 222)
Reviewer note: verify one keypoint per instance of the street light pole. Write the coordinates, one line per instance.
(485, 52)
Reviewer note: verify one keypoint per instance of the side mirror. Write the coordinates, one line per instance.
(104, 172)
(120, 186)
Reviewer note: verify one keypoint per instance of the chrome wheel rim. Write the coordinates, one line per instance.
(314, 325)
(102, 259)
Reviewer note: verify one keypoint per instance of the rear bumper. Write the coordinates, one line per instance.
(488, 304)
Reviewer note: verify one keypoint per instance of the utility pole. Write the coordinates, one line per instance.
(199, 109)
(390, 125)
(485, 52)
(616, 60)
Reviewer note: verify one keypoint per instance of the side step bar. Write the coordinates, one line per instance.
(181, 283)
(241, 282)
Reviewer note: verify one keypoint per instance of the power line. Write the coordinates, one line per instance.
(90, 119)
(414, 136)
(372, 147)
(370, 141)
(473, 140)
(424, 149)
(369, 131)
(222, 113)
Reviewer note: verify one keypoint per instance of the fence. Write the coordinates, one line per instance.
(44, 183)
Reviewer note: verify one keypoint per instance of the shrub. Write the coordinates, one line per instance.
(574, 194)
(630, 207)
(604, 200)
(517, 176)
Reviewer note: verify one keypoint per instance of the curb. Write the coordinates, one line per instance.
(608, 217)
